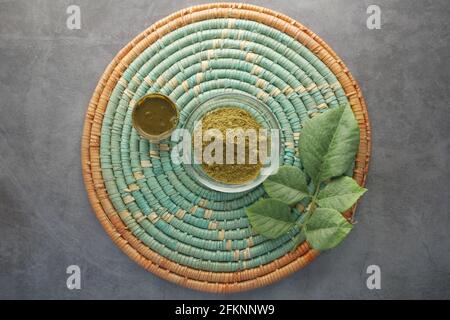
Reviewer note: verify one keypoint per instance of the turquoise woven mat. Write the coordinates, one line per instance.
(158, 201)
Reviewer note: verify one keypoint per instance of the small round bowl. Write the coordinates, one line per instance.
(156, 97)
(262, 113)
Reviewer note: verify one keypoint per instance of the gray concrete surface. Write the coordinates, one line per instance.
(47, 76)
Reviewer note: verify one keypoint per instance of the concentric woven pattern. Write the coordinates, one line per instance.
(152, 209)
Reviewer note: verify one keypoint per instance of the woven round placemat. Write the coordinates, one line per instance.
(151, 208)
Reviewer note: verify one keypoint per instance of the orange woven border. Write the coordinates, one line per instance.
(90, 157)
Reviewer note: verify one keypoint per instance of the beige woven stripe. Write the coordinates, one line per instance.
(138, 216)
(208, 214)
(224, 33)
(153, 217)
(275, 92)
(246, 253)
(180, 214)
(197, 90)
(300, 89)
(146, 164)
(124, 214)
(210, 54)
(133, 187)
(154, 154)
(250, 57)
(263, 96)
(128, 199)
(173, 83)
(148, 81)
(161, 81)
(221, 235)
(256, 70)
(289, 144)
(138, 175)
(322, 106)
(287, 90)
(231, 23)
(123, 82)
(236, 255)
(243, 44)
(261, 83)
(136, 79)
(164, 147)
(185, 85)
(217, 43)
(228, 244)
(199, 77)
(213, 225)
(167, 217)
(250, 242)
(193, 209)
(204, 65)
(129, 93)
(239, 36)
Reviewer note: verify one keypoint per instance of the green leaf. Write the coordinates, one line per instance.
(270, 217)
(340, 194)
(287, 185)
(326, 229)
(328, 143)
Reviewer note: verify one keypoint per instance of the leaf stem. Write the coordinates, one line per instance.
(312, 208)
(313, 204)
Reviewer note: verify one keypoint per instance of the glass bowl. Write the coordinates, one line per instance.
(262, 113)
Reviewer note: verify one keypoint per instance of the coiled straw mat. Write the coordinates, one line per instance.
(156, 213)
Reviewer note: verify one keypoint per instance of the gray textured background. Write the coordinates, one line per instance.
(47, 76)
